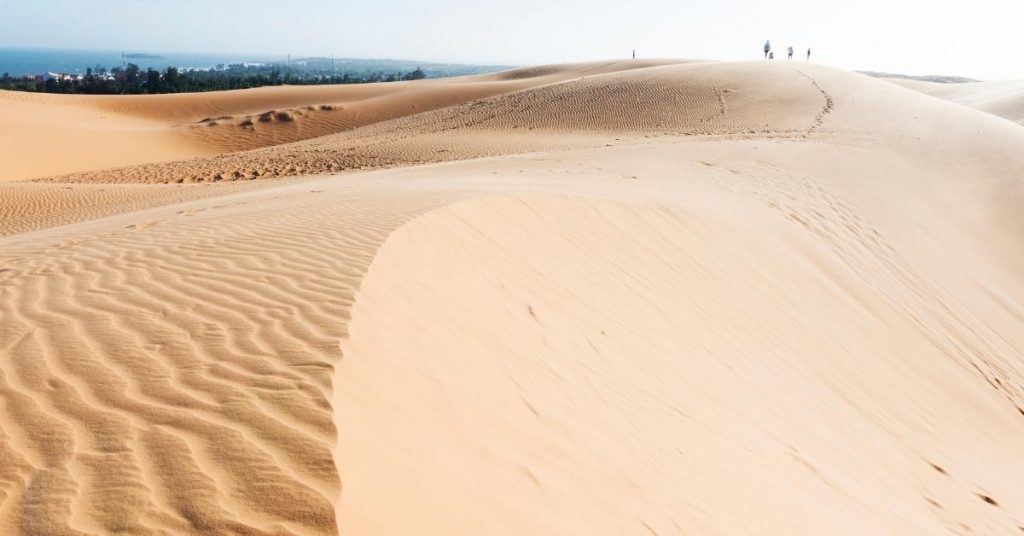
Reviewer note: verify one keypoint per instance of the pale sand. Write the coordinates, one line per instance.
(1002, 98)
(695, 298)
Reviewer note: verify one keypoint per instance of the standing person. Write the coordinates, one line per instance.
(634, 53)
(790, 51)
(808, 54)
(767, 48)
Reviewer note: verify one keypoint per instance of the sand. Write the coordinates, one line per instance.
(1002, 98)
(675, 298)
(101, 132)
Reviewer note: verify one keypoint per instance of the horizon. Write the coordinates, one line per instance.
(272, 57)
(458, 32)
(253, 55)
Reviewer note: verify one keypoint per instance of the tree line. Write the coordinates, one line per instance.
(132, 80)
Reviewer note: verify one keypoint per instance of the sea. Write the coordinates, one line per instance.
(32, 61)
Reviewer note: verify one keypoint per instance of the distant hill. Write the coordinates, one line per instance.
(139, 56)
(938, 78)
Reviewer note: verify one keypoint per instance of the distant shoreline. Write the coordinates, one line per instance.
(21, 61)
(130, 78)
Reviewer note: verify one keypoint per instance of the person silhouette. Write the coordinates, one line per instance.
(767, 48)
(771, 55)
(808, 54)
(790, 51)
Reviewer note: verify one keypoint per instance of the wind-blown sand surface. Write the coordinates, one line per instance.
(679, 298)
(1002, 98)
(99, 132)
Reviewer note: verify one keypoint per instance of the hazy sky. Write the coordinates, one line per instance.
(980, 38)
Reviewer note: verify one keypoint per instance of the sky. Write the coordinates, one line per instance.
(979, 39)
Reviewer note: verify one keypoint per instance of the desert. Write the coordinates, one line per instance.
(613, 297)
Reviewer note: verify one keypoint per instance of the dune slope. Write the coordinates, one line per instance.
(585, 109)
(170, 370)
(100, 132)
(50, 134)
(1002, 98)
(564, 365)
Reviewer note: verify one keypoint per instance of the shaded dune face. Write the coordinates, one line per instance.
(658, 297)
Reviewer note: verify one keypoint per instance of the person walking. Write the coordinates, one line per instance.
(767, 48)
(808, 54)
(790, 51)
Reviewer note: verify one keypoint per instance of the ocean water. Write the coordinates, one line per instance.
(22, 61)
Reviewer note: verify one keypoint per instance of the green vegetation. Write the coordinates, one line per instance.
(132, 80)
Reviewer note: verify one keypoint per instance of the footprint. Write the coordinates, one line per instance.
(141, 226)
(988, 499)
(938, 468)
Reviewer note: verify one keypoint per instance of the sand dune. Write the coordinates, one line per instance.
(88, 137)
(671, 100)
(660, 369)
(205, 406)
(1003, 98)
(675, 298)
(99, 132)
